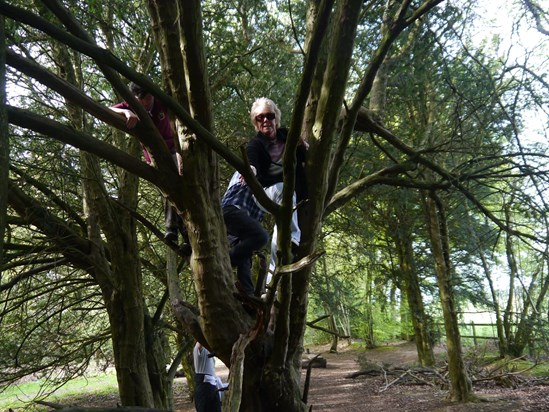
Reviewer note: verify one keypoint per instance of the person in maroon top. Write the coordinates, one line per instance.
(160, 117)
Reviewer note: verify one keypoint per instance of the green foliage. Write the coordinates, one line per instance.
(252, 53)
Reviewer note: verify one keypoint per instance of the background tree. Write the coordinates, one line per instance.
(4, 143)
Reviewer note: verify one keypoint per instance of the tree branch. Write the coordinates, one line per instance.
(351, 191)
(453, 180)
(80, 140)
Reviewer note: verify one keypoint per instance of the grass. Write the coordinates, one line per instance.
(527, 367)
(22, 396)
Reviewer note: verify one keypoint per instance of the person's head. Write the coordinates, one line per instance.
(145, 98)
(265, 116)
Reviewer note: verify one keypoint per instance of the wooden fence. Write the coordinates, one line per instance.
(471, 327)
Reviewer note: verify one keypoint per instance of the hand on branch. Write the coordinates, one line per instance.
(131, 118)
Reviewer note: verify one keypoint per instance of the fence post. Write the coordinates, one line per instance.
(474, 333)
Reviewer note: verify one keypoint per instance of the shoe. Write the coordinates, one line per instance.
(294, 249)
(185, 250)
(250, 311)
(170, 236)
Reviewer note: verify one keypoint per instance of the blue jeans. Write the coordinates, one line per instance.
(251, 237)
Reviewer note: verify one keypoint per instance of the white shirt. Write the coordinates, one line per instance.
(203, 363)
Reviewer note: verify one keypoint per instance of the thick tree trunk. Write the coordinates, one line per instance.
(139, 357)
(120, 283)
(460, 384)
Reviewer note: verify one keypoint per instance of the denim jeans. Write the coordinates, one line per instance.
(251, 237)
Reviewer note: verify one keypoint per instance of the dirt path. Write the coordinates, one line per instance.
(330, 389)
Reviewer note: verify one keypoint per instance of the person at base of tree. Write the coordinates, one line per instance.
(242, 217)
(159, 116)
(206, 394)
(265, 151)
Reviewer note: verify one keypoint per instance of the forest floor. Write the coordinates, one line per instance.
(396, 385)
(331, 388)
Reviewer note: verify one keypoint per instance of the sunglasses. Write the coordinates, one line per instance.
(261, 117)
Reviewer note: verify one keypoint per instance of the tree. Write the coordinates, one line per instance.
(270, 362)
(438, 233)
(4, 143)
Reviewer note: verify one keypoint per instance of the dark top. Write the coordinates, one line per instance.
(269, 172)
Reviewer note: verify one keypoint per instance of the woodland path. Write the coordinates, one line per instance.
(330, 390)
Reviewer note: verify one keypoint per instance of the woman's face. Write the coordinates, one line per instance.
(265, 121)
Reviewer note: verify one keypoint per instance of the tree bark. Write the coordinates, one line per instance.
(4, 144)
(139, 356)
(460, 383)
(502, 341)
(413, 293)
(512, 264)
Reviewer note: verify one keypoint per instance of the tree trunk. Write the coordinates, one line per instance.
(139, 356)
(404, 315)
(120, 283)
(502, 342)
(400, 229)
(460, 384)
(4, 143)
(508, 314)
(370, 338)
(413, 294)
(530, 315)
(335, 337)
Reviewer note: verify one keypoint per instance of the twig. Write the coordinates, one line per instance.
(394, 381)
(504, 375)
(426, 382)
(51, 404)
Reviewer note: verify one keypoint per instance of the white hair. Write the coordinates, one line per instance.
(259, 105)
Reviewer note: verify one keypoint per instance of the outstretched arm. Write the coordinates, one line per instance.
(130, 117)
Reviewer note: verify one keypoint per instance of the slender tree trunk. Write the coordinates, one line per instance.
(530, 315)
(403, 236)
(502, 342)
(404, 312)
(4, 144)
(344, 322)
(460, 384)
(329, 309)
(512, 264)
(415, 302)
(370, 338)
(335, 337)
(401, 230)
